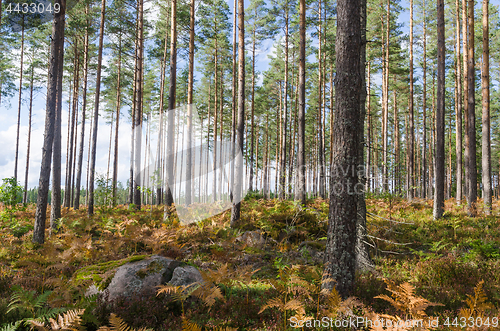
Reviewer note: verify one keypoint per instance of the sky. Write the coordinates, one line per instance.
(8, 126)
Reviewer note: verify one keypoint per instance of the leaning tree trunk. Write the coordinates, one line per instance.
(55, 75)
(340, 255)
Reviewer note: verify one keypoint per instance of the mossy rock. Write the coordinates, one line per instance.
(101, 274)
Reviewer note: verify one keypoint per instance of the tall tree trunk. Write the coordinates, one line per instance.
(32, 79)
(396, 184)
(19, 100)
(118, 106)
(169, 201)
(55, 75)
(285, 112)
(189, 156)
(139, 96)
(385, 101)
(70, 141)
(252, 124)
(471, 119)
(90, 210)
(301, 152)
(465, 43)
(369, 174)
(424, 112)
(84, 107)
(321, 150)
(485, 85)
(233, 105)
(363, 261)
(161, 131)
(341, 243)
(235, 212)
(458, 117)
(55, 210)
(411, 138)
(438, 208)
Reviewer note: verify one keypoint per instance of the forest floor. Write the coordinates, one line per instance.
(262, 284)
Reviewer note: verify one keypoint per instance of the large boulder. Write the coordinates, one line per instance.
(143, 277)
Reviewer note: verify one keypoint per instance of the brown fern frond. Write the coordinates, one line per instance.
(68, 321)
(476, 305)
(295, 305)
(274, 302)
(404, 300)
(208, 294)
(38, 325)
(118, 324)
(189, 326)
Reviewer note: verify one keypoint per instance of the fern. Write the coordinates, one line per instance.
(289, 285)
(178, 293)
(189, 326)
(70, 321)
(476, 305)
(11, 326)
(35, 305)
(118, 324)
(405, 300)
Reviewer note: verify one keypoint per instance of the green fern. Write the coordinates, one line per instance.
(11, 326)
(35, 305)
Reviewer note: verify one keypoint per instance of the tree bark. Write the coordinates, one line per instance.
(301, 153)
(118, 106)
(411, 137)
(438, 208)
(139, 95)
(235, 212)
(471, 118)
(485, 85)
(25, 198)
(55, 75)
(458, 117)
(340, 254)
(70, 142)
(363, 261)
(84, 107)
(90, 210)
(19, 100)
(321, 149)
(169, 201)
(189, 156)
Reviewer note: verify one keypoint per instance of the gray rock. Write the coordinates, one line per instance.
(252, 239)
(143, 277)
(184, 276)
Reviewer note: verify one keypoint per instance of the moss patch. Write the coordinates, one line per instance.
(102, 274)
